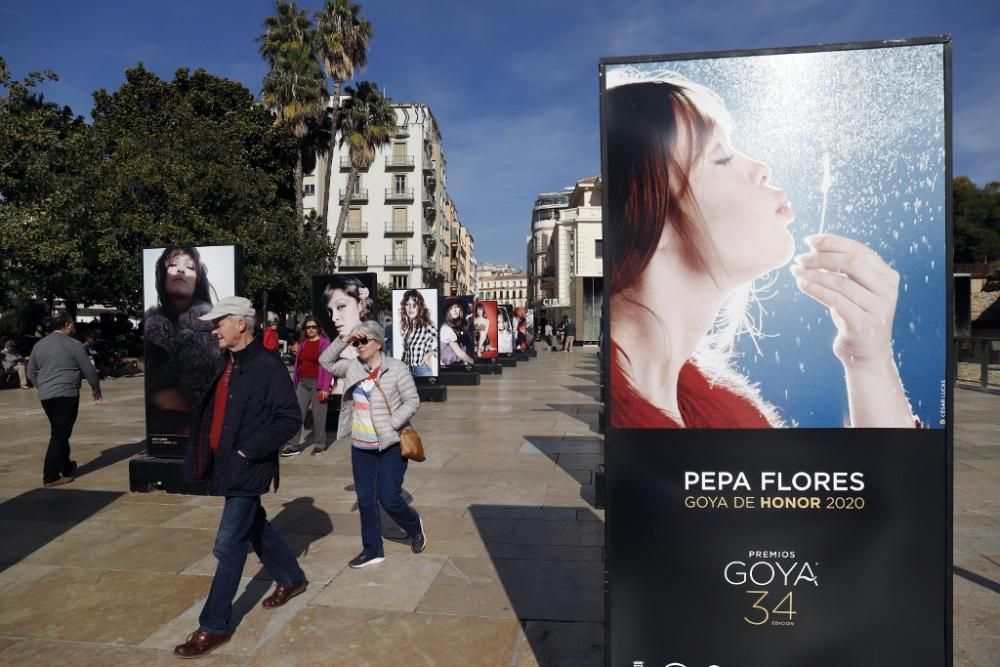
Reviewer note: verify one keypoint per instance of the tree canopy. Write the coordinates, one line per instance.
(188, 161)
(976, 221)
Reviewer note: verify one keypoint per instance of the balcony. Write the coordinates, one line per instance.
(428, 229)
(430, 213)
(345, 164)
(399, 261)
(399, 229)
(358, 195)
(428, 162)
(428, 197)
(354, 262)
(399, 194)
(403, 130)
(399, 162)
(356, 229)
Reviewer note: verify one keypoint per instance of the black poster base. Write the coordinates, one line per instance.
(488, 369)
(459, 379)
(508, 362)
(522, 356)
(432, 393)
(150, 473)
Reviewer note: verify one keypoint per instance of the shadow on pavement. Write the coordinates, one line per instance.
(111, 456)
(39, 516)
(587, 413)
(549, 562)
(310, 524)
(978, 579)
(591, 391)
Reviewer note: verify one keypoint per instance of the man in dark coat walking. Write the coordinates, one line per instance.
(250, 412)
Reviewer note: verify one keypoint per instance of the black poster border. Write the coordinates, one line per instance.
(947, 471)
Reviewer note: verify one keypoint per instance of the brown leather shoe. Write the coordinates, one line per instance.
(200, 643)
(283, 594)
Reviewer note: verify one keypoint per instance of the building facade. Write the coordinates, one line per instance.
(509, 288)
(400, 218)
(566, 275)
(544, 215)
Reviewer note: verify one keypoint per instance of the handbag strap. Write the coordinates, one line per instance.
(384, 397)
(389, 405)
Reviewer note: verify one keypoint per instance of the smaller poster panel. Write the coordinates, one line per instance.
(456, 338)
(414, 330)
(342, 301)
(524, 325)
(505, 324)
(180, 284)
(484, 327)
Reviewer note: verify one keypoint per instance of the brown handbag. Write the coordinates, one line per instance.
(410, 445)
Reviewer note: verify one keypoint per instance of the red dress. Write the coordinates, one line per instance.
(702, 404)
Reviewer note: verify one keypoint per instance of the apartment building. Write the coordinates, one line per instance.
(460, 269)
(567, 276)
(509, 288)
(398, 225)
(544, 215)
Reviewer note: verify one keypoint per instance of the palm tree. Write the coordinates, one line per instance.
(295, 87)
(285, 29)
(343, 38)
(366, 123)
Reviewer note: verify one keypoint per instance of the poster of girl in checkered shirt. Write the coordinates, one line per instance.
(414, 330)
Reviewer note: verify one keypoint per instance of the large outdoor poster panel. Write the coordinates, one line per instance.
(505, 329)
(180, 283)
(415, 330)
(456, 337)
(484, 327)
(340, 302)
(776, 231)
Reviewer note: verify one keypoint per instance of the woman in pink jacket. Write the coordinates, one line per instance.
(312, 386)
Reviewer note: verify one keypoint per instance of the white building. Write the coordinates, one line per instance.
(544, 215)
(509, 288)
(397, 224)
(567, 272)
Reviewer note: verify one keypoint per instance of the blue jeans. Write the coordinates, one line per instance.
(422, 371)
(244, 522)
(378, 480)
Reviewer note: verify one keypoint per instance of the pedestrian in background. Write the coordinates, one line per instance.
(312, 385)
(271, 337)
(569, 334)
(13, 362)
(58, 362)
(250, 412)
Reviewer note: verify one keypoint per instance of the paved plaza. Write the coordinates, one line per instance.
(91, 574)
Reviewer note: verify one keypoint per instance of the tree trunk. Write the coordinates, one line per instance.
(297, 177)
(330, 166)
(344, 208)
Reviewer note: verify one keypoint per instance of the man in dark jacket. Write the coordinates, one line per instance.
(250, 412)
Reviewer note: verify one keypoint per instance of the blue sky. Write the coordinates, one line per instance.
(514, 85)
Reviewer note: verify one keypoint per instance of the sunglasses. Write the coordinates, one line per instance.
(361, 341)
(311, 326)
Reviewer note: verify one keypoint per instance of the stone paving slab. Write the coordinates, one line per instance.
(91, 574)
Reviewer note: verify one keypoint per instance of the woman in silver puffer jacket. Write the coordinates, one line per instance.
(379, 400)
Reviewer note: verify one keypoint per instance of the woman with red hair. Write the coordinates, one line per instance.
(695, 223)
